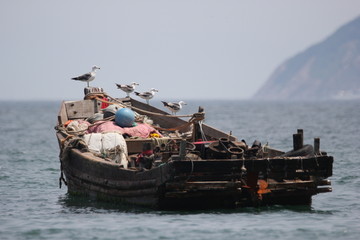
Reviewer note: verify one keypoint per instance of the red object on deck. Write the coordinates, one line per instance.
(104, 104)
(144, 153)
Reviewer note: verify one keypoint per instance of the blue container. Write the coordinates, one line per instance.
(125, 117)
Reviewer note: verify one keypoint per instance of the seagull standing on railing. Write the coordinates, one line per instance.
(147, 95)
(127, 88)
(87, 77)
(174, 107)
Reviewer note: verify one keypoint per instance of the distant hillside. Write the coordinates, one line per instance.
(328, 70)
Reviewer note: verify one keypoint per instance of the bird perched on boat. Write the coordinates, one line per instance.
(127, 88)
(147, 95)
(87, 77)
(174, 107)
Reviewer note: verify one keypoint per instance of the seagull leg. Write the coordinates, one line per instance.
(147, 100)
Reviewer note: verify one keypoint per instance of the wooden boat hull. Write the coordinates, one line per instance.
(198, 184)
(214, 178)
(90, 175)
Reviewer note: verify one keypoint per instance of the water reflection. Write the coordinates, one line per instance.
(86, 205)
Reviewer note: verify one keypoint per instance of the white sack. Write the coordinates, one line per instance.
(111, 145)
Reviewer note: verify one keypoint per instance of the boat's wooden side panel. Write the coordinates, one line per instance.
(62, 116)
(214, 133)
(145, 197)
(164, 122)
(90, 175)
(277, 168)
(189, 183)
(80, 109)
(96, 167)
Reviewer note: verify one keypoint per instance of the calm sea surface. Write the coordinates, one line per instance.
(33, 207)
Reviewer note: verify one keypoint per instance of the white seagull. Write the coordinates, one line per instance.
(87, 77)
(174, 107)
(147, 95)
(127, 88)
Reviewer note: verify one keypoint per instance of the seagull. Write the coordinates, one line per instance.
(87, 77)
(174, 107)
(127, 88)
(147, 95)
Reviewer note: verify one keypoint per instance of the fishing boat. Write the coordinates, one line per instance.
(151, 158)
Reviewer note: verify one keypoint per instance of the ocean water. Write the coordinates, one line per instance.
(33, 207)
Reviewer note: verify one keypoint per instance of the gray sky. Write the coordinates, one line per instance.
(187, 49)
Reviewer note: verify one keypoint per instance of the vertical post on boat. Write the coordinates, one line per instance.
(300, 131)
(197, 130)
(317, 146)
(196, 135)
(182, 151)
(298, 139)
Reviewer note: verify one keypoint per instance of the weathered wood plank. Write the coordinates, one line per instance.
(164, 122)
(62, 116)
(118, 184)
(203, 186)
(80, 109)
(319, 166)
(90, 187)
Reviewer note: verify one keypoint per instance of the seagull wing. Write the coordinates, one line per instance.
(175, 106)
(146, 94)
(83, 77)
(129, 88)
(165, 103)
